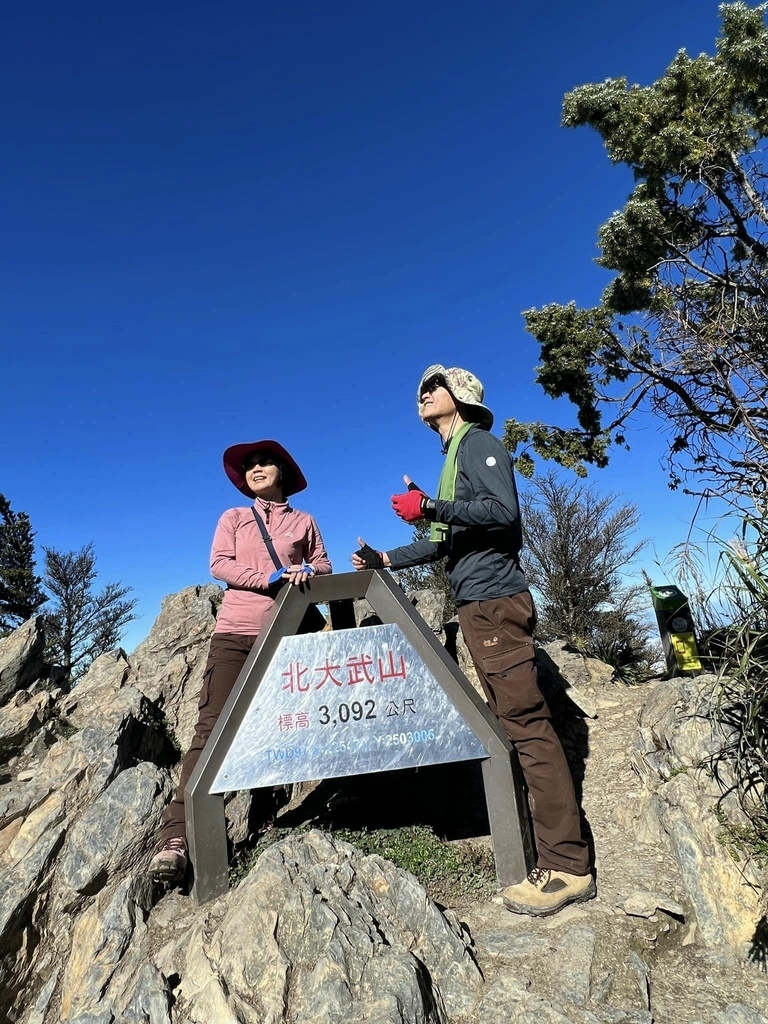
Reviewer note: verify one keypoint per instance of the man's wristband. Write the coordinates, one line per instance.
(429, 509)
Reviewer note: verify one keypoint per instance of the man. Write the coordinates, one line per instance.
(476, 526)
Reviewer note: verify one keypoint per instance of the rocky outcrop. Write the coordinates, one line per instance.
(317, 931)
(692, 802)
(168, 666)
(21, 657)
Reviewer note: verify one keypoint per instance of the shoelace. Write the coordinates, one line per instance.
(177, 844)
(538, 875)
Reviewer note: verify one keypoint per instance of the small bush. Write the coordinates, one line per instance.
(451, 873)
(578, 544)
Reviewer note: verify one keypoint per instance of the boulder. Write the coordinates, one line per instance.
(319, 932)
(168, 666)
(21, 657)
(676, 751)
(22, 716)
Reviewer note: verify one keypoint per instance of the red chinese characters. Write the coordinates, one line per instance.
(359, 669)
(287, 721)
(391, 672)
(356, 669)
(295, 676)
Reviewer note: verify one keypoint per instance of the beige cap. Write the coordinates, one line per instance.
(465, 388)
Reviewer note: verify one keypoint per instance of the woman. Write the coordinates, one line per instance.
(240, 557)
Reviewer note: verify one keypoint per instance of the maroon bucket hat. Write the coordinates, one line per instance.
(234, 457)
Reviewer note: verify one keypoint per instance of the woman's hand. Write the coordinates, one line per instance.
(297, 574)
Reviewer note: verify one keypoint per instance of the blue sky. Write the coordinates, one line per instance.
(225, 222)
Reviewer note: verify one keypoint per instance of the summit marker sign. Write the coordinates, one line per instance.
(345, 703)
(349, 701)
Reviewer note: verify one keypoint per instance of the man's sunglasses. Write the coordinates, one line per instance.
(432, 385)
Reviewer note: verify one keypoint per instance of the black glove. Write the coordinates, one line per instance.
(373, 559)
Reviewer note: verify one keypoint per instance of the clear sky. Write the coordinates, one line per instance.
(226, 222)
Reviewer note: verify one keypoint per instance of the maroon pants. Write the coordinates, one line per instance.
(499, 634)
(227, 655)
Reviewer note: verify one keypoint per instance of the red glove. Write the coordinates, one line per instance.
(409, 505)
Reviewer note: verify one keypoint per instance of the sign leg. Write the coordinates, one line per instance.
(511, 833)
(207, 837)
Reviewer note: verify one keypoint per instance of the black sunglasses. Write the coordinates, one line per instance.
(432, 385)
(260, 460)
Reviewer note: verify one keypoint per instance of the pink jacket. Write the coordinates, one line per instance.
(240, 559)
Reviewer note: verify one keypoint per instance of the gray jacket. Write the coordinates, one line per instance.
(483, 546)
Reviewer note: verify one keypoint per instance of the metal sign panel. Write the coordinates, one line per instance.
(344, 703)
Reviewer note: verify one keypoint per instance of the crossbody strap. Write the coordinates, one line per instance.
(267, 539)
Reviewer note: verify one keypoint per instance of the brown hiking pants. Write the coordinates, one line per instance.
(227, 655)
(499, 635)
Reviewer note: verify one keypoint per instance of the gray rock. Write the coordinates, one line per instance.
(22, 716)
(17, 799)
(511, 944)
(100, 939)
(560, 668)
(642, 973)
(364, 612)
(503, 998)
(332, 933)
(36, 1012)
(21, 657)
(645, 904)
(103, 1017)
(430, 604)
(104, 678)
(660, 707)
(576, 950)
(676, 736)
(737, 1013)
(726, 910)
(81, 766)
(578, 669)
(24, 862)
(115, 831)
(168, 665)
(24, 865)
(610, 1015)
(151, 1003)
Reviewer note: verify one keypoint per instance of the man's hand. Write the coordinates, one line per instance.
(410, 506)
(368, 557)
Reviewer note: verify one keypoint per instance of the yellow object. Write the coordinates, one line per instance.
(686, 652)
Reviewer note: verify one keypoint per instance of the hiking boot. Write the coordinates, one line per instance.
(169, 864)
(546, 891)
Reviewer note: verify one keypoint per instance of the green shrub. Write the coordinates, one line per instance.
(451, 873)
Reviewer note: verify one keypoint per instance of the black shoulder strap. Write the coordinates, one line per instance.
(267, 539)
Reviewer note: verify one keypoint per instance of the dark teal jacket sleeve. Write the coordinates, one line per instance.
(418, 553)
(486, 467)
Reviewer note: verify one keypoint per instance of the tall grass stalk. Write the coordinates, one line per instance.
(730, 605)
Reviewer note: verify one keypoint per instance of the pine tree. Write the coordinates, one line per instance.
(82, 624)
(680, 331)
(20, 587)
(578, 545)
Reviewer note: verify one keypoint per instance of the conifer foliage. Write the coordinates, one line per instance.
(82, 624)
(578, 546)
(21, 591)
(680, 332)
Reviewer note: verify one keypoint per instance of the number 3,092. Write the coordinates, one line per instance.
(355, 711)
